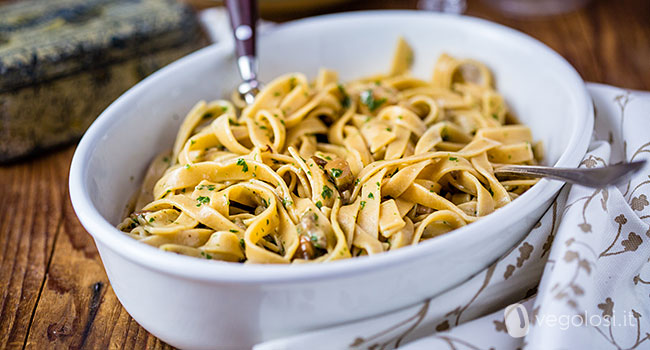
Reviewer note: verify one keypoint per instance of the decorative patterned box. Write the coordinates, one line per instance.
(63, 61)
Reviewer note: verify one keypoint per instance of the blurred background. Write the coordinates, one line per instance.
(285, 9)
(63, 61)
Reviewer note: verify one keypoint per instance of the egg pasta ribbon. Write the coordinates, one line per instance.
(315, 171)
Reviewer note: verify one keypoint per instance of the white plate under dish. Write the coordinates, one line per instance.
(198, 304)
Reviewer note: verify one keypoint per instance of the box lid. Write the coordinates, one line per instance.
(44, 39)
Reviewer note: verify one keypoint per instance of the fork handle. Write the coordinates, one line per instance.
(243, 18)
(590, 177)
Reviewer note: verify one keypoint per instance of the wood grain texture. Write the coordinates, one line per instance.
(54, 293)
(31, 200)
(78, 308)
(607, 41)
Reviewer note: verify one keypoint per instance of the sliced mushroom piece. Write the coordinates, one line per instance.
(345, 195)
(319, 161)
(240, 223)
(305, 249)
(422, 210)
(259, 209)
(339, 171)
(309, 227)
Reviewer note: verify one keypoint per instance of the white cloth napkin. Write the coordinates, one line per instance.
(582, 273)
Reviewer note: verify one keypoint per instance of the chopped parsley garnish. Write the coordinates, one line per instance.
(453, 159)
(187, 166)
(400, 117)
(206, 255)
(356, 182)
(327, 192)
(286, 202)
(292, 83)
(202, 200)
(369, 100)
(208, 115)
(242, 244)
(152, 219)
(378, 184)
(336, 172)
(266, 204)
(371, 196)
(363, 204)
(166, 159)
(496, 117)
(328, 158)
(233, 230)
(224, 108)
(241, 162)
(319, 204)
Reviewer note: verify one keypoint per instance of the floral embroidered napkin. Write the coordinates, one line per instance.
(582, 275)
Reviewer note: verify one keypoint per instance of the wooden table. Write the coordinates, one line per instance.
(54, 292)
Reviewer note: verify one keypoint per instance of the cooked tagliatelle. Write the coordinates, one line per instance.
(314, 172)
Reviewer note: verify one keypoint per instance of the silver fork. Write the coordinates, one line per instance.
(590, 177)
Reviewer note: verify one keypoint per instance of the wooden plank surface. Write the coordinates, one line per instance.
(78, 308)
(31, 199)
(53, 289)
(607, 42)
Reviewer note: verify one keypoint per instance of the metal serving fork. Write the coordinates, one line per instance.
(590, 177)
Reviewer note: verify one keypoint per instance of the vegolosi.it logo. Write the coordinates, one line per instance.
(516, 320)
